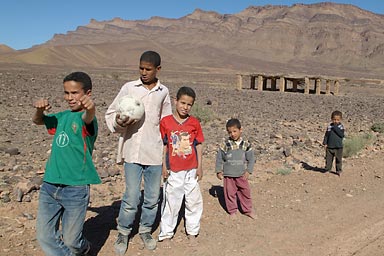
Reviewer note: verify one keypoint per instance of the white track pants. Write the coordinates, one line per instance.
(178, 185)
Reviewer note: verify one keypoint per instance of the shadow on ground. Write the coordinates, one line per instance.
(97, 229)
(309, 167)
(218, 192)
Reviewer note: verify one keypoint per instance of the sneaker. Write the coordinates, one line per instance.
(148, 241)
(121, 244)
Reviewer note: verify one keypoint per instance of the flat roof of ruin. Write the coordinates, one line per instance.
(293, 76)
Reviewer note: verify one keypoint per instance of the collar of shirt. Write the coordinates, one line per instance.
(230, 144)
(158, 86)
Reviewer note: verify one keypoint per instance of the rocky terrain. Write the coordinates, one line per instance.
(300, 209)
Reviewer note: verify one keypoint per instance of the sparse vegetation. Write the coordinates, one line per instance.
(354, 144)
(378, 127)
(203, 114)
(284, 170)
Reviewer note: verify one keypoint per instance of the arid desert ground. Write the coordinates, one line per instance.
(300, 209)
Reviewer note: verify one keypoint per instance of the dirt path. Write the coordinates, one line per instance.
(303, 213)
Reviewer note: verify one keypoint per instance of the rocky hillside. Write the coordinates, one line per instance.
(318, 38)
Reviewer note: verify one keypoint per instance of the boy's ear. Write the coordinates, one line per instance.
(158, 68)
(89, 92)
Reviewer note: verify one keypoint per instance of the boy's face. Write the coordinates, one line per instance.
(73, 91)
(336, 119)
(184, 105)
(234, 132)
(148, 72)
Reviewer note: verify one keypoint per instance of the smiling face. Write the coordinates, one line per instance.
(234, 132)
(73, 91)
(183, 106)
(148, 73)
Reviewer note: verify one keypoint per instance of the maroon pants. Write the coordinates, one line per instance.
(237, 188)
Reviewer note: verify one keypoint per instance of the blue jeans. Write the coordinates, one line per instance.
(131, 198)
(67, 204)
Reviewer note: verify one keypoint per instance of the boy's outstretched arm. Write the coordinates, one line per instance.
(199, 151)
(41, 106)
(89, 106)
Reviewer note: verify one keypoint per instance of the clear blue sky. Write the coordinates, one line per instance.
(24, 23)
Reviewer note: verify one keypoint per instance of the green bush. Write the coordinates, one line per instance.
(354, 144)
(203, 114)
(378, 127)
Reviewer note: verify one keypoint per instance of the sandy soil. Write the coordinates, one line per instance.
(306, 212)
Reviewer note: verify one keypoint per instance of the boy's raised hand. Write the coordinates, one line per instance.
(86, 102)
(42, 105)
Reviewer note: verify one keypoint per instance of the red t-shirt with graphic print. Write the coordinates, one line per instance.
(181, 140)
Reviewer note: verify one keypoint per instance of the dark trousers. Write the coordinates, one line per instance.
(330, 154)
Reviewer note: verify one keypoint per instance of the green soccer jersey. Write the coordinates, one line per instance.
(70, 162)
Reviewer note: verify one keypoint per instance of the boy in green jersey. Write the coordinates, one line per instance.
(64, 194)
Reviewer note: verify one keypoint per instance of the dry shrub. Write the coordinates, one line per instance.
(354, 144)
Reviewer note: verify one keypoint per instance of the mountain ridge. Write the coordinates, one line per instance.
(325, 37)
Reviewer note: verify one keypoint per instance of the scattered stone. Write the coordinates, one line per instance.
(28, 216)
(287, 152)
(27, 198)
(19, 195)
(113, 172)
(12, 151)
(103, 173)
(5, 198)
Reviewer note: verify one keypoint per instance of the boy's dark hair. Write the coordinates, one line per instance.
(337, 113)
(233, 122)
(151, 57)
(80, 77)
(185, 90)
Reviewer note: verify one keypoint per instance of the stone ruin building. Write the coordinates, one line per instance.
(294, 83)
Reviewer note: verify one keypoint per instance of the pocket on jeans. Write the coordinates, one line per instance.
(77, 192)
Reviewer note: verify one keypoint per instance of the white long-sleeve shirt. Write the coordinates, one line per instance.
(141, 142)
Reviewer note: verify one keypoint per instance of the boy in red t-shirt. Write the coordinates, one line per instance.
(182, 168)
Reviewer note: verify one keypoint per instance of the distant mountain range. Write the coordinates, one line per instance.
(317, 38)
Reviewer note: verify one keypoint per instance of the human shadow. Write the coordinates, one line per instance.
(97, 229)
(309, 167)
(218, 192)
